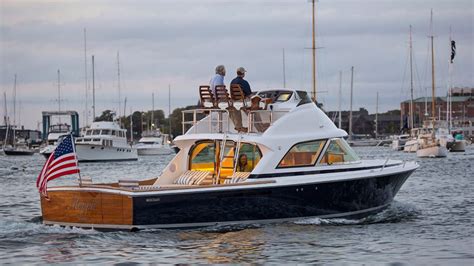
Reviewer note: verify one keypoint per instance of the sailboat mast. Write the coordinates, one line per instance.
(93, 89)
(339, 98)
(14, 101)
(314, 51)
(433, 100)
(411, 83)
(85, 81)
(450, 69)
(119, 90)
(350, 110)
(169, 110)
(152, 110)
(59, 90)
(131, 125)
(5, 110)
(376, 115)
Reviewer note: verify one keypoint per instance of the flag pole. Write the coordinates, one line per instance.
(75, 157)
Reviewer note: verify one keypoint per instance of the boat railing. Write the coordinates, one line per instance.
(258, 121)
(218, 119)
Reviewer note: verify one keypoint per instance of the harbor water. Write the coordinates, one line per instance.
(430, 222)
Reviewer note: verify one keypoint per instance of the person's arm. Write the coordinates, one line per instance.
(246, 88)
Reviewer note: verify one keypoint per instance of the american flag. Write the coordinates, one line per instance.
(61, 162)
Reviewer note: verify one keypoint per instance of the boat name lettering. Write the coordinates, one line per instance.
(77, 204)
(152, 199)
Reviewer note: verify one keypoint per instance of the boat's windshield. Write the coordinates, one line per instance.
(338, 151)
(302, 154)
(206, 156)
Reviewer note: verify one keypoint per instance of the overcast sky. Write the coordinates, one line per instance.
(179, 43)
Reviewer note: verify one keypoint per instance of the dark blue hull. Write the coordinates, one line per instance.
(349, 198)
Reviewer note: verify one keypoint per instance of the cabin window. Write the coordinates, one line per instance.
(202, 157)
(88, 132)
(253, 155)
(302, 154)
(106, 132)
(205, 156)
(96, 132)
(112, 132)
(338, 151)
(117, 133)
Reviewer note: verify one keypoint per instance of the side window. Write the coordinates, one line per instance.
(302, 154)
(249, 156)
(338, 151)
(202, 157)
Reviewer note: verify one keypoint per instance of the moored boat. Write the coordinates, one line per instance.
(153, 142)
(104, 141)
(292, 163)
(55, 132)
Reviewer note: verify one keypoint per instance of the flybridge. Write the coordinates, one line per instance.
(226, 113)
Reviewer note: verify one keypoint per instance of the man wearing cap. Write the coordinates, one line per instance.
(242, 82)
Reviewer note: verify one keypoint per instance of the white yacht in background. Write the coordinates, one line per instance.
(104, 141)
(55, 134)
(153, 142)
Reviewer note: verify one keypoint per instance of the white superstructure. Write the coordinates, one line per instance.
(154, 143)
(55, 133)
(104, 141)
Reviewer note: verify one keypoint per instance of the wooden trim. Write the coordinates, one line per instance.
(87, 207)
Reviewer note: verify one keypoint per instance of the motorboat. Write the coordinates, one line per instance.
(104, 141)
(55, 134)
(291, 163)
(399, 141)
(459, 143)
(153, 142)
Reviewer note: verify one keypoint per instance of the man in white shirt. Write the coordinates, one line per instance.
(218, 79)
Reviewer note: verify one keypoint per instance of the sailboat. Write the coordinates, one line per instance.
(409, 143)
(429, 145)
(19, 146)
(459, 143)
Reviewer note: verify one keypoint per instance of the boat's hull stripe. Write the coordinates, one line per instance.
(315, 172)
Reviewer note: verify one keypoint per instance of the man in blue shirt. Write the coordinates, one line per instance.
(218, 79)
(242, 82)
